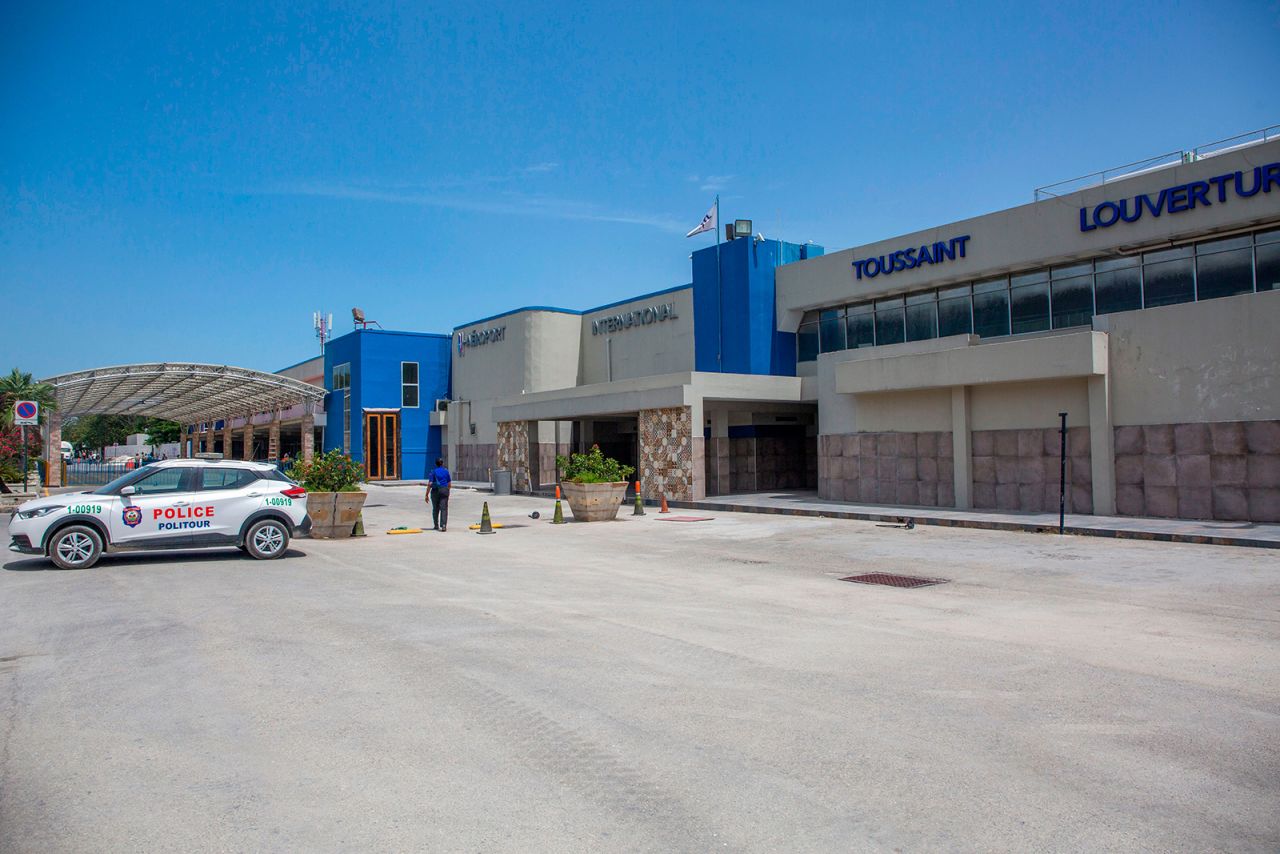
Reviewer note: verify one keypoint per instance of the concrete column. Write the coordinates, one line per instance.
(1102, 449)
(961, 447)
(53, 456)
(247, 451)
(227, 436)
(273, 438)
(309, 439)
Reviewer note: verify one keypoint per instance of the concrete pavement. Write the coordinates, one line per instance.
(644, 685)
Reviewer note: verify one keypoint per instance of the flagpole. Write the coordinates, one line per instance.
(719, 297)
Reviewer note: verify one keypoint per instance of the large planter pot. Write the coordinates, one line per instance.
(594, 502)
(334, 514)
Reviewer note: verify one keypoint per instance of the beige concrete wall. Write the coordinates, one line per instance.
(1012, 406)
(661, 347)
(1031, 236)
(906, 411)
(1197, 362)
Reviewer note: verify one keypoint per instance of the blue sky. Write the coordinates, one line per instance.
(190, 184)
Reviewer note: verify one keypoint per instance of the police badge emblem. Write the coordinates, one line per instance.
(133, 516)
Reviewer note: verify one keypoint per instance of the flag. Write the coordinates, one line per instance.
(710, 222)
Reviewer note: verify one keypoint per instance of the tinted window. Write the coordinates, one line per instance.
(1224, 267)
(1268, 267)
(807, 342)
(1029, 302)
(225, 478)
(1072, 301)
(922, 317)
(831, 330)
(1118, 285)
(161, 481)
(889, 322)
(991, 308)
(861, 326)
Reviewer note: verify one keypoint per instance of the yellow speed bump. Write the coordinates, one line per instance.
(405, 531)
(477, 527)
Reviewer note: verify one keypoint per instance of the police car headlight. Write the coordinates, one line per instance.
(37, 513)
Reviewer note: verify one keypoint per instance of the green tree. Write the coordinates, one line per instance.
(19, 385)
(160, 432)
(95, 432)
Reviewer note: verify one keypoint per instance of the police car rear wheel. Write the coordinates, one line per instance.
(267, 539)
(75, 547)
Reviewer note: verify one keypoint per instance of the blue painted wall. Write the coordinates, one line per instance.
(735, 324)
(375, 356)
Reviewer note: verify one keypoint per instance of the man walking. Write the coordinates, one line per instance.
(439, 482)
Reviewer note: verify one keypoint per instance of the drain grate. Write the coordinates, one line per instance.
(888, 579)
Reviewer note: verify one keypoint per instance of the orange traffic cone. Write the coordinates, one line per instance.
(664, 508)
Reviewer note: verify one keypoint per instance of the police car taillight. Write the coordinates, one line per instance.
(295, 492)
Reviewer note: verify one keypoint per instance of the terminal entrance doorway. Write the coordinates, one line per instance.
(382, 445)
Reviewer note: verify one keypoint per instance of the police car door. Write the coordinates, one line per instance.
(225, 497)
(154, 510)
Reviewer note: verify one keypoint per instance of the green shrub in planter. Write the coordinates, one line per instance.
(592, 467)
(331, 472)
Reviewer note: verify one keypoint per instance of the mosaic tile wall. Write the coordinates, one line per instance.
(1226, 470)
(887, 468)
(474, 462)
(669, 455)
(513, 452)
(1021, 470)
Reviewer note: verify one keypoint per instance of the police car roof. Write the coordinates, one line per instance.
(188, 461)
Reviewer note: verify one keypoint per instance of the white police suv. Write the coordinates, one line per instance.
(174, 504)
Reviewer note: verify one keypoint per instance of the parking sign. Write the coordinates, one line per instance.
(26, 412)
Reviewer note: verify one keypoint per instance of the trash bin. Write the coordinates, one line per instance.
(501, 482)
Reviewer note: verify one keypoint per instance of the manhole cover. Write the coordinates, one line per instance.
(888, 579)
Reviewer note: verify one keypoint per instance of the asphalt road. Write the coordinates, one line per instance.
(644, 685)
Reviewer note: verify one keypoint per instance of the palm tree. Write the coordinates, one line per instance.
(19, 385)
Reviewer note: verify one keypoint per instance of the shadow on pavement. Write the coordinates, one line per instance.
(33, 563)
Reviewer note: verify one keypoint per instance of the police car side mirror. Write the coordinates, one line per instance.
(127, 490)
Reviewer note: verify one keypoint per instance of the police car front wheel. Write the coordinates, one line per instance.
(267, 540)
(75, 547)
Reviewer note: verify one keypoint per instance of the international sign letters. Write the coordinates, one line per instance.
(638, 317)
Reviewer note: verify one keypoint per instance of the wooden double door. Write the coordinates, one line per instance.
(382, 445)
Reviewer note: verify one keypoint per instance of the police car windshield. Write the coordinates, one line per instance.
(123, 480)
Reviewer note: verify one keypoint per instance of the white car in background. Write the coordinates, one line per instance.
(174, 504)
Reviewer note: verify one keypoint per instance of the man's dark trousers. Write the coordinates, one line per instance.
(440, 506)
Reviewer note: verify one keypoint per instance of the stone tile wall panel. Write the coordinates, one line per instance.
(1227, 471)
(669, 454)
(912, 469)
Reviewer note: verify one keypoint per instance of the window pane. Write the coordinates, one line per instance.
(1118, 290)
(1029, 308)
(890, 327)
(990, 310)
(922, 321)
(1072, 271)
(409, 372)
(954, 316)
(1167, 255)
(1268, 267)
(222, 478)
(807, 343)
(1224, 273)
(831, 330)
(862, 327)
(1168, 283)
(1223, 245)
(163, 480)
(1072, 302)
(1267, 237)
(1026, 279)
(409, 395)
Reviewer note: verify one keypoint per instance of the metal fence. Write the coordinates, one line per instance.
(94, 474)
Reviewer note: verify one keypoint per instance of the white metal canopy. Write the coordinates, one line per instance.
(178, 391)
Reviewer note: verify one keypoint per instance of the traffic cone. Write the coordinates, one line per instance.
(639, 511)
(558, 518)
(486, 524)
(664, 508)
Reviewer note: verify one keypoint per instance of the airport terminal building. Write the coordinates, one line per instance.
(927, 369)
